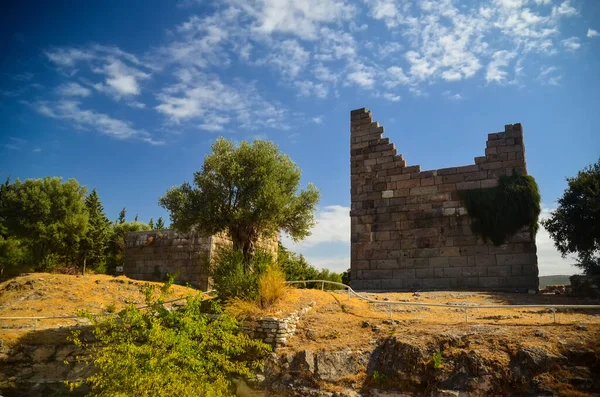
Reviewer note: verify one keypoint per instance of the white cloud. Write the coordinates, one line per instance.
(85, 119)
(510, 3)
(565, 9)
(571, 44)
(309, 89)
(136, 105)
(288, 56)
(333, 226)
(121, 80)
(543, 2)
(592, 33)
(302, 18)
(548, 75)
(198, 96)
(362, 75)
(550, 262)
(37, 150)
(395, 76)
(317, 120)
(338, 264)
(335, 44)
(73, 89)
(391, 97)
(451, 95)
(389, 49)
(68, 56)
(202, 42)
(500, 60)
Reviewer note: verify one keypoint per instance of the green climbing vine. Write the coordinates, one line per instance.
(499, 212)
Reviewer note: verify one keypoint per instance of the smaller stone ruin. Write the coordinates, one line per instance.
(150, 255)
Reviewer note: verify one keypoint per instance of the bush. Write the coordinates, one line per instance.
(161, 352)
(271, 286)
(499, 212)
(12, 257)
(230, 278)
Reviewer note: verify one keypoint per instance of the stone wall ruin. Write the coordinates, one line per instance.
(409, 229)
(150, 255)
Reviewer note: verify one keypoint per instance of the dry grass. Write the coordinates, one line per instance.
(47, 295)
(271, 286)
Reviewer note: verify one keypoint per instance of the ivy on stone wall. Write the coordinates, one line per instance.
(499, 212)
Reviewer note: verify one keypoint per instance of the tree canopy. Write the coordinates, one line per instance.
(575, 224)
(95, 241)
(47, 215)
(248, 191)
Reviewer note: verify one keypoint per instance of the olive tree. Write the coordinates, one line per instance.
(248, 191)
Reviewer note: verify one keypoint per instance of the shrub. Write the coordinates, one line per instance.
(271, 286)
(161, 352)
(230, 277)
(499, 212)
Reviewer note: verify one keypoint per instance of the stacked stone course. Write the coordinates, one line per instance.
(275, 331)
(409, 228)
(150, 255)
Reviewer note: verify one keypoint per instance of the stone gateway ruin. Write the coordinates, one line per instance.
(409, 228)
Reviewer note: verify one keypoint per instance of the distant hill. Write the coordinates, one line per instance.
(554, 280)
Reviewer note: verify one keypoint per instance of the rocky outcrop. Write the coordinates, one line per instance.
(449, 367)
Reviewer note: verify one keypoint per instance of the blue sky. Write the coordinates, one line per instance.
(127, 97)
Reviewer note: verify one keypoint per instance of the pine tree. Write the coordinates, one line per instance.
(121, 218)
(94, 245)
(151, 223)
(136, 218)
(160, 225)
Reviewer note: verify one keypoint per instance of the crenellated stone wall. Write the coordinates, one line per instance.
(409, 229)
(150, 255)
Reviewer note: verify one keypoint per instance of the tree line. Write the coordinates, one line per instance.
(46, 224)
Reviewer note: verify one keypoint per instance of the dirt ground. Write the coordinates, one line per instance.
(348, 323)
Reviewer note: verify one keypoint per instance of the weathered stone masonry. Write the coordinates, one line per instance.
(411, 231)
(150, 255)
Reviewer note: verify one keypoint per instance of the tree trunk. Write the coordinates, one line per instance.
(84, 262)
(245, 242)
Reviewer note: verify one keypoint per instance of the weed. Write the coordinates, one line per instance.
(437, 360)
(111, 308)
(378, 377)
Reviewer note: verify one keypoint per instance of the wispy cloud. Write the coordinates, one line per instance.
(391, 97)
(23, 76)
(549, 75)
(453, 95)
(85, 119)
(198, 96)
(73, 89)
(317, 120)
(14, 143)
(571, 44)
(302, 18)
(496, 72)
(317, 49)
